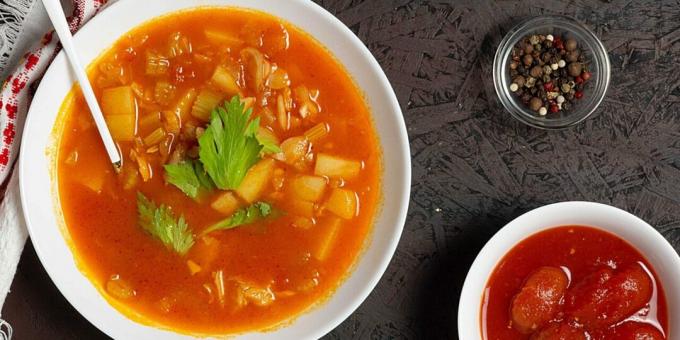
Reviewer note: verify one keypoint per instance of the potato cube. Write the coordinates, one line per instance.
(342, 202)
(302, 208)
(329, 233)
(332, 166)
(256, 180)
(122, 127)
(224, 80)
(308, 188)
(226, 203)
(118, 101)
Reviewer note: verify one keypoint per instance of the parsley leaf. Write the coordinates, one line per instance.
(228, 147)
(161, 223)
(243, 216)
(190, 177)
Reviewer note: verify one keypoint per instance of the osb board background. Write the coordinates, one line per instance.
(474, 167)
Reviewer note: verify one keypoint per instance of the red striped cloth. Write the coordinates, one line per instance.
(15, 98)
(18, 88)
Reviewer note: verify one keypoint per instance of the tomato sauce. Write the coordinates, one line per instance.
(574, 282)
(296, 261)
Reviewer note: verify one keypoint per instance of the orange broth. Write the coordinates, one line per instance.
(281, 256)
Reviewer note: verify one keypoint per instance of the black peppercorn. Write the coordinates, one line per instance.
(548, 73)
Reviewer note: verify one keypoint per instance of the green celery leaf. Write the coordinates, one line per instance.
(162, 224)
(190, 177)
(228, 147)
(268, 145)
(247, 215)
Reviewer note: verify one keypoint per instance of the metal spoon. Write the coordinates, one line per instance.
(56, 14)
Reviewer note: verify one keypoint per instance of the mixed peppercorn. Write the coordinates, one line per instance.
(548, 73)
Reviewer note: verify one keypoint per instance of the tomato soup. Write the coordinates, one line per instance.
(574, 282)
(251, 172)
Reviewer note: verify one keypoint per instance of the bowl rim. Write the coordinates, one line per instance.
(664, 259)
(508, 102)
(50, 248)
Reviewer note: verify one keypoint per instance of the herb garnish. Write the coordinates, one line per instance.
(229, 147)
(247, 215)
(162, 224)
(190, 177)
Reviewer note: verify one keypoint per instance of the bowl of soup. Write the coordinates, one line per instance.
(573, 270)
(265, 175)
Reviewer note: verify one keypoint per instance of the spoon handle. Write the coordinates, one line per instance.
(56, 14)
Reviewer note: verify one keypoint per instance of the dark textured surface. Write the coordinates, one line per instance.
(474, 167)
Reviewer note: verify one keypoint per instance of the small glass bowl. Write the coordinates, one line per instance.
(595, 55)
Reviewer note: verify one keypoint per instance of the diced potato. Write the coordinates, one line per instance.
(258, 296)
(122, 127)
(184, 104)
(93, 180)
(303, 222)
(256, 180)
(224, 80)
(278, 79)
(332, 166)
(294, 149)
(308, 188)
(164, 92)
(317, 132)
(193, 267)
(206, 101)
(119, 288)
(155, 137)
(329, 229)
(130, 176)
(118, 101)
(221, 37)
(226, 203)
(343, 203)
(156, 64)
(302, 208)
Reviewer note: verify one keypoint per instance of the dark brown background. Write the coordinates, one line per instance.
(474, 167)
